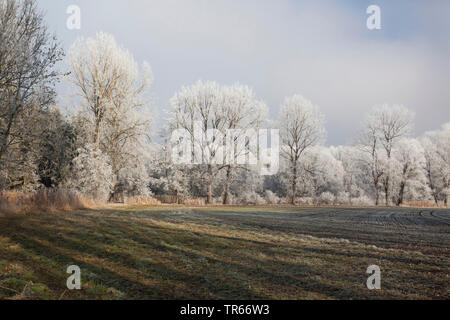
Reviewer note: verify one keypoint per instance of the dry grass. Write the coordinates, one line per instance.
(15, 202)
(420, 204)
(195, 202)
(142, 201)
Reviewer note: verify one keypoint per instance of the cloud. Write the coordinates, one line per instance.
(320, 50)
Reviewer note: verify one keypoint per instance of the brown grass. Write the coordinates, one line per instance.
(420, 204)
(142, 201)
(45, 200)
(195, 202)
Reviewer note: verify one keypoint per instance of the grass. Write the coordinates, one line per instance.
(226, 253)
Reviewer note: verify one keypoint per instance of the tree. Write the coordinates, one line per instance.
(28, 55)
(321, 172)
(107, 78)
(409, 164)
(437, 162)
(301, 126)
(213, 115)
(92, 174)
(56, 149)
(370, 155)
(242, 112)
(112, 91)
(385, 125)
(197, 110)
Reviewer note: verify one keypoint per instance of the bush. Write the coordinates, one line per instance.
(362, 201)
(92, 174)
(343, 198)
(251, 198)
(327, 198)
(272, 198)
(305, 200)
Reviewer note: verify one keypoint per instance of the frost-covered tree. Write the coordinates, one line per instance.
(436, 146)
(383, 127)
(57, 148)
(301, 126)
(114, 106)
(321, 173)
(242, 112)
(408, 170)
(355, 182)
(92, 174)
(207, 112)
(107, 78)
(197, 109)
(28, 54)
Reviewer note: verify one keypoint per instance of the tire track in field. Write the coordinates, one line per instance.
(438, 217)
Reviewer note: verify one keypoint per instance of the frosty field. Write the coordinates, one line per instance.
(227, 253)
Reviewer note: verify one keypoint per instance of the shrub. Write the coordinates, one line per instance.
(251, 198)
(92, 174)
(343, 198)
(305, 200)
(271, 198)
(327, 198)
(362, 201)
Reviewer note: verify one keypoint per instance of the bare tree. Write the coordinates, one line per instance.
(197, 109)
(369, 145)
(106, 76)
(113, 97)
(301, 126)
(242, 112)
(28, 55)
(389, 124)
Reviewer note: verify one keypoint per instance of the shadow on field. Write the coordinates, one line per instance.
(163, 255)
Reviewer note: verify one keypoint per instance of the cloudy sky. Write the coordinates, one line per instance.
(320, 49)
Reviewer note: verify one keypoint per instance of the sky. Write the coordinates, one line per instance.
(322, 50)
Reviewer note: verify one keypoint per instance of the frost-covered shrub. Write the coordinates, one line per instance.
(327, 198)
(271, 198)
(135, 181)
(343, 198)
(91, 174)
(305, 200)
(362, 201)
(251, 198)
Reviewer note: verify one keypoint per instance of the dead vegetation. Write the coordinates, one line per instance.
(45, 200)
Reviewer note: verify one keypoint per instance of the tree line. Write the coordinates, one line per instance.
(103, 147)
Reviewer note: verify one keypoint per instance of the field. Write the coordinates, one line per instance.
(227, 253)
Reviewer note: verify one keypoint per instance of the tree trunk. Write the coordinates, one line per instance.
(377, 194)
(294, 184)
(400, 194)
(386, 190)
(432, 188)
(97, 135)
(209, 198)
(226, 195)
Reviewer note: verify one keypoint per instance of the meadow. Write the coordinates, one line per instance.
(227, 253)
